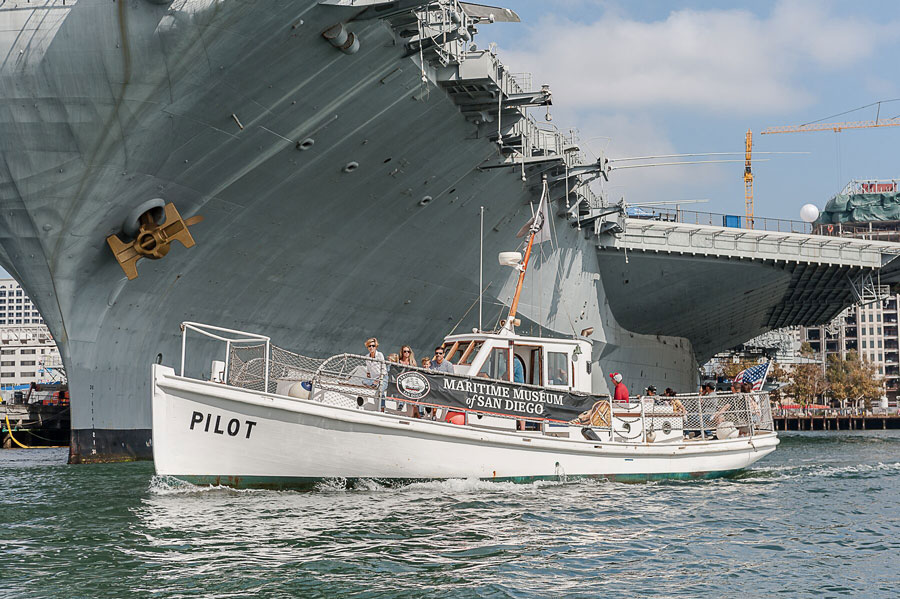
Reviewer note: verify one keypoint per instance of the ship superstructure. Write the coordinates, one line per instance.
(338, 154)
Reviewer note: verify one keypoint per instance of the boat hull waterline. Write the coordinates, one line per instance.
(210, 433)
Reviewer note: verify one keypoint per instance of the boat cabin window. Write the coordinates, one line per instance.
(497, 365)
(557, 368)
(450, 349)
(469, 352)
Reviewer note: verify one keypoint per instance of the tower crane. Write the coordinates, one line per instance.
(894, 121)
(748, 182)
(836, 127)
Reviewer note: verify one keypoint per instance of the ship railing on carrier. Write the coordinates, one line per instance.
(439, 26)
(359, 382)
(691, 217)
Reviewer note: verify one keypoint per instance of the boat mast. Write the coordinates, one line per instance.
(537, 222)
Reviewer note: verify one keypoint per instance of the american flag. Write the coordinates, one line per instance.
(755, 375)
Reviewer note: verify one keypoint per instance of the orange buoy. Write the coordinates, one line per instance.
(456, 418)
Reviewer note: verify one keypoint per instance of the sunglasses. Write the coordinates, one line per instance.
(405, 351)
(371, 345)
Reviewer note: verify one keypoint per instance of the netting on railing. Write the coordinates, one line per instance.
(349, 381)
(353, 381)
(744, 411)
(247, 366)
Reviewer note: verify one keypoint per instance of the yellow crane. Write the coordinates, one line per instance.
(894, 121)
(748, 183)
(836, 127)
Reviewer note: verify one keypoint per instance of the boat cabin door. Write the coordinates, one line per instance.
(529, 364)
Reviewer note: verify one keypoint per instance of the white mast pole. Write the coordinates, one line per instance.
(481, 270)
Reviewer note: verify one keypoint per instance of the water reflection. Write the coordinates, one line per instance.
(823, 510)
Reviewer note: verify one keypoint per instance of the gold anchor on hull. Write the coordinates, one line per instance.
(153, 240)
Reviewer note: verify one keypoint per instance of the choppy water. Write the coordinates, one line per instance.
(818, 518)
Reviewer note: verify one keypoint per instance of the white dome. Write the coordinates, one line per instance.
(809, 213)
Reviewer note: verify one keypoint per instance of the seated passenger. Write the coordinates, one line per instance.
(518, 370)
(426, 362)
(439, 363)
(651, 391)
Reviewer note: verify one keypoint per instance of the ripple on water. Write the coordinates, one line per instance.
(820, 512)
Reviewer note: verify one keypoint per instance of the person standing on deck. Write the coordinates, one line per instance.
(375, 368)
(621, 392)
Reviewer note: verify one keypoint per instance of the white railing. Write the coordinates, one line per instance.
(219, 334)
(354, 381)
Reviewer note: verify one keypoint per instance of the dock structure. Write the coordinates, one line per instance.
(762, 280)
(33, 424)
(857, 422)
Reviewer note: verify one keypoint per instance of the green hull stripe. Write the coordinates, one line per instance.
(301, 482)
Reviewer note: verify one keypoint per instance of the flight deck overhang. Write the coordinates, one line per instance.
(719, 286)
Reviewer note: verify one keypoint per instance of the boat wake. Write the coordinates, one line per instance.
(169, 485)
(851, 471)
(447, 486)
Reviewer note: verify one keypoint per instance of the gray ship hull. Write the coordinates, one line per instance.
(104, 106)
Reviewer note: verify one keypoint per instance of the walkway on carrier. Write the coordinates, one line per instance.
(724, 285)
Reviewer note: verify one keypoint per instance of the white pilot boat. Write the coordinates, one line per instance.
(273, 418)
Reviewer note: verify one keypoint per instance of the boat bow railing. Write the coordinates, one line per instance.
(231, 338)
(251, 361)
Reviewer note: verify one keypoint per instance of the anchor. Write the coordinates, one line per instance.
(153, 239)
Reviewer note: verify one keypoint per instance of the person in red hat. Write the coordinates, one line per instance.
(621, 392)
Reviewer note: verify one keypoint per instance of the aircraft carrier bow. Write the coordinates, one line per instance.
(313, 171)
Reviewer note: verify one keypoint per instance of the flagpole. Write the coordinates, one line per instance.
(481, 271)
(535, 228)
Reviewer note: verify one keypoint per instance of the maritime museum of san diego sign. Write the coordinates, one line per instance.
(487, 396)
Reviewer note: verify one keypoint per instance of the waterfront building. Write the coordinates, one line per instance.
(27, 350)
(871, 330)
(865, 209)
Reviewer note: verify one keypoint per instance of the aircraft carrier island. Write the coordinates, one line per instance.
(314, 172)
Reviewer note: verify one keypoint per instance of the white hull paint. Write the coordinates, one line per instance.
(297, 442)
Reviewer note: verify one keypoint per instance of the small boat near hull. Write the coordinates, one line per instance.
(212, 433)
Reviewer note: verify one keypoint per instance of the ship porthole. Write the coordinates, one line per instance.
(306, 144)
(351, 166)
(425, 201)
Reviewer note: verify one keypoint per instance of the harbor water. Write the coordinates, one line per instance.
(818, 518)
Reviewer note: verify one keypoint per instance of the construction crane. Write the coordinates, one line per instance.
(838, 127)
(748, 182)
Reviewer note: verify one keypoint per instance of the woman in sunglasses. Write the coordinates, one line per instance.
(407, 357)
(375, 368)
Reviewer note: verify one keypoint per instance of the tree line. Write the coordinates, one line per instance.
(843, 382)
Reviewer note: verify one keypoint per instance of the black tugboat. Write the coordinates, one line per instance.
(36, 417)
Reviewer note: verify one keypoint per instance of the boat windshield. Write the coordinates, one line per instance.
(497, 365)
(469, 353)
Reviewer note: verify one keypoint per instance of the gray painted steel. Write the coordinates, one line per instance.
(105, 105)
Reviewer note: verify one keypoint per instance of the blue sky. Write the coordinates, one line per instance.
(653, 77)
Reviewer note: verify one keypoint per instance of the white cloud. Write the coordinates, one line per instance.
(626, 135)
(727, 61)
